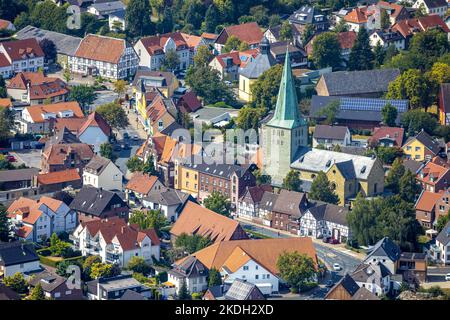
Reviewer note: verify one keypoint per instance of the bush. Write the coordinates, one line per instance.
(48, 261)
(161, 277)
(45, 252)
(197, 296)
(308, 286)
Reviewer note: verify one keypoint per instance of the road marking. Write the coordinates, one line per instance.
(331, 255)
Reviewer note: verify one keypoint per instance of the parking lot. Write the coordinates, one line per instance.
(29, 157)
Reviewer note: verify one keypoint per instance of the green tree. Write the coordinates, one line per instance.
(212, 18)
(384, 17)
(326, 51)
(361, 55)
(67, 75)
(231, 44)
(286, 31)
(261, 178)
(322, 190)
(292, 181)
(49, 48)
(379, 55)
(183, 293)
(408, 187)
(138, 264)
(192, 243)
(341, 26)
(329, 112)
(120, 87)
(83, 94)
(137, 18)
(135, 164)
(41, 13)
(296, 269)
(389, 114)
(411, 85)
(214, 278)
(37, 293)
(106, 151)
(101, 270)
(420, 12)
(203, 56)
(442, 221)
(166, 24)
(415, 120)
(149, 219)
(249, 118)
(16, 282)
(114, 115)
(171, 60)
(4, 224)
(265, 88)
(149, 166)
(218, 202)
(6, 123)
(394, 175)
(388, 154)
(308, 33)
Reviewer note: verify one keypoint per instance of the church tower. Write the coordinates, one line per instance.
(286, 132)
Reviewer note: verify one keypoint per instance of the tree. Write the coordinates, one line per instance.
(149, 166)
(4, 224)
(292, 181)
(379, 55)
(408, 187)
(442, 221)
(37, 293)
(420, 12)
(341, 26)
(138, 264)
(326, 51)
(6, 123)
(265, 88)
(67, 75)
(415, 120)
(231, 44)
(394, 175)
(137, 18)
(286, 31)
(149, 219)
(192, 243)
(361, 55)
(106, 151)
(308, 33)
(249, 118)
(388, 154)
(296, 269)
(214, 278)
(134, 164)
(16, 282)
(171, 60)
(384, 17)
(83, 94)
(183, 293)
(49, 48)
(389, 114)
(218, 202)
(411, 85)
(101, 270)
(47, 15)
(322, 190)
(261, 178)
(166, 24)
(212, 18)
(329, 112)
(203, 56)
(87, 265)
(120, 87)
(114, 115)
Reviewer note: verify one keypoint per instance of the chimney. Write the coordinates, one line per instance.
(123, 229)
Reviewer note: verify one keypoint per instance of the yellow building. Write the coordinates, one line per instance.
(421, 147)
(348, 174)
(186, 179)
(245, 94)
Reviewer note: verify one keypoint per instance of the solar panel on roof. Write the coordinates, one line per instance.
(366, 104)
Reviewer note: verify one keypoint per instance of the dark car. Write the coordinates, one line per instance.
(11, 158)
(325, 239)
(334, 241)
(126, 135)
(125, 146)
(117, 147)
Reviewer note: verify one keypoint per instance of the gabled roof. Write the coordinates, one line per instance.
(357, 15)
(4, 62)
(330, 132)
(426, 140)
(195, 219)
(432, 4)
(393, 133)
(291, 203)
(69, 175)
(16, 253)
(249, 33)
(268, 201)
(149, 76)
(22, 49)
(30, 209)
(258, 65)
(366, 272)
(95, 120)
(347, 39)
(385, 247)
(347, 283)
(307, 15)
(265, 252)
(190, 267)
(37, 111)
(48, 281)
(364, 294)
(169, 197)
(155, 44)
(141, 183)
(94, 201)
(408, 27)
(432, 173)
(190, 102)
(18, 174)
(427, 201)
(256, 193)
(101, 48)
(57, 153)
(444, 236)
(329, 212)
(97, 165)
(242, 290)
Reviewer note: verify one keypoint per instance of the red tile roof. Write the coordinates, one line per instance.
(58, 177)
(346, 39)
(427, 201)
(57, 153)
(357, 15)
(190, 102)
(41, 87)
(22, 49)
(155, 44)
(96, 120)
(141, 183)
(249, 33)
(101, 48)
(4, 62)
(394, 133)
(432, 173)
(37, 111)
(408, 27)
(4, 24)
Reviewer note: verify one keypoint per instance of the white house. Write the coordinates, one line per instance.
(114, 241)
(329, 136)
(95, 131)
(386, 39)
(140, 185)
(386, 252)
(192, 272)
(35, 220)
(18, 257)
(102, 173)
(116, 21)
(441, 250)
(108, 57)
(105, 8)
(374, 277)
(20, 56)
(325, 220)
(438, 7)
(170, 202)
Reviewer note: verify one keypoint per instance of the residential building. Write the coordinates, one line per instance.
(374, 277)
(95, 131)
(35, 88)
(140, 185)
(322, 220)
(385, 252)
(97, 204)
(444, 104)
(421, 147)
(386, 137)
(387, 38)
(17, 179)
(426, 208)
(249, 33)
(288, 209)
(188, 103)
(115, 241)
(37, 118)
(58, 180)
(441, 250)
(37, 220)
(347, 289)
(356, 113)
(217, 117)
(108, 57)
(346, 41)
(161, 81)
(116, 21)
(298, 56)
(283, 135)
(159, 114)
(63, 156)
(170, 202)
(115, 288)
(349, 174)
(20, 56)
(54, 286)
(102, 173)
(238, 290)
(229, 64)
(248, 206)
(266, 206)
(431, 7)
(434, 177)
(65, 45)
(310, 15)
(273, 34)
(365, 84)
(192, 272)
(106, 8)
(254, 69)
(442, 205)
(248, 260)
(18, 257)
(408, 27)
(195, 219)
(413, 267)
(330, 136)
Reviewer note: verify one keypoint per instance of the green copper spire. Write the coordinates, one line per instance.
(287, 113)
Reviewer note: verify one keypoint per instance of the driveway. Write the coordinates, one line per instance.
(29, 157)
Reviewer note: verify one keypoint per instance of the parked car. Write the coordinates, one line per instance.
(447, 277)
(135, 138)
(325, 239)
(125, 146)
(126, 135)
(334, 241)
(117, 147)
(337, 267)
(228, 83)
(10, 158)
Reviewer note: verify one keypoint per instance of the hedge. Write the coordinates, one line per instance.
(51, 262)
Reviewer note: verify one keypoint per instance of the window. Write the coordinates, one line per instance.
(256, 276)
(58, 294)
(245, 268)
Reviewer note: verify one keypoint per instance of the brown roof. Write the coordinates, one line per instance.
(346, 39)
(357, 15)
(101, 48)
(30, 208)
(57, 153)
(210, 36)
(72, 124)
(195, 219)
(96, 120)
(4, 62)
(5, 102)
(432, 173)
(190, 102)
(389, 132)
(290, 202)
(155, 44)
(249, 33)
(4, 23)
(58, 177)
(263, 251)
(22, 49)
(37, 111)
(427, 201)
(408, 27)
(141, 183)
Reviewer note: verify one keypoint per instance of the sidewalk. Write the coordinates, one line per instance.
(135, 122)
(338, 247)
